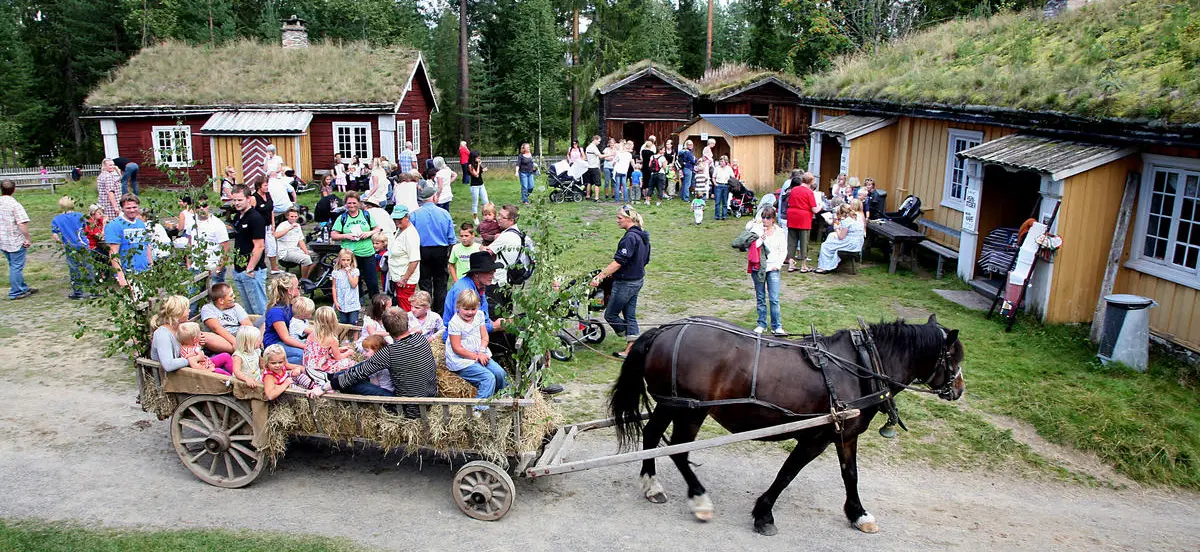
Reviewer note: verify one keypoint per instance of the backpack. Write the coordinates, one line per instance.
(520, 270)
(345, 215)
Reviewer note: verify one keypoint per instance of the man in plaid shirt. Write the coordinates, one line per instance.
(407, 159)
(14, 240)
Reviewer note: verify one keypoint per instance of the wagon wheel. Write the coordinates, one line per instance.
(483, 491)
(212, 435)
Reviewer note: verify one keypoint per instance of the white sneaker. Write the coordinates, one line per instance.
(759, 329)
(779, 331)
(657, 203)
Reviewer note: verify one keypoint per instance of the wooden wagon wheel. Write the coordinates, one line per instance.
(483, 491)
(212, 435)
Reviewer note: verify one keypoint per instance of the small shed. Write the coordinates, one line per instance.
(743, 138)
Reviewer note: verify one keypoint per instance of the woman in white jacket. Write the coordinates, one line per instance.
(771, 247)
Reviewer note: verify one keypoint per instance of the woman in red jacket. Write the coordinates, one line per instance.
(801, 207)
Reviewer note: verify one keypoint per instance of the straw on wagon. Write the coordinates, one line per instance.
(443, 430)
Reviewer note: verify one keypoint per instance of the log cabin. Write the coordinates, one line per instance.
(202, 108)
(1092, 113)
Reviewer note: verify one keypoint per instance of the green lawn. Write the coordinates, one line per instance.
(47, 537)
(1147, 426)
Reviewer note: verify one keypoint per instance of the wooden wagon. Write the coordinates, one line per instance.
(219, 429)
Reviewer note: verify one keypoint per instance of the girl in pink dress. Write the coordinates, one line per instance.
(322, 352)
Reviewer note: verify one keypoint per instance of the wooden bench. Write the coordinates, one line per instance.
(31, 181)
(850, 260)
(938, 249)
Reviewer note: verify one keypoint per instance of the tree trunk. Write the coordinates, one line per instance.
(708, 47)
(464, 76)
(212, 39)
(575, 107)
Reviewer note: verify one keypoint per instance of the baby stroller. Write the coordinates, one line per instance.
(566, 182)
(907, 214)
(741, 200)
(579, 324)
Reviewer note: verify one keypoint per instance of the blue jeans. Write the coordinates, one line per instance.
(466, 175)
(689, 178)
(350, 318)
(622, 191)
(16, 272)
(367, 388)
(486, 379)
(295, 355)
(78, 262)
(621, 312)
(526, 186)
(129, 179)
(477, 193)
(767, 289)
(252, 290)
(608, 179)
(218, 275)
(722, 201)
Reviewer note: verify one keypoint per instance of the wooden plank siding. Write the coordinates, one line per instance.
(755, 154)
(661, 130)
(320, 132)
(135, 141)
(417, 104)
(648, 98)
(919, 168)
(1087, 219)
(871, 156)
(783, 113)
(227, 151)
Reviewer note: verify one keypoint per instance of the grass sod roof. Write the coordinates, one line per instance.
(732, 76)
(1116, 59)
(630, 70)
(251, 73)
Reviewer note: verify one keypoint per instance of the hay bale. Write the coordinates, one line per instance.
(449, 384)
(158, 402)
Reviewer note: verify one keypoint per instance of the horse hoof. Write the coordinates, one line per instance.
(652, 490)
(702, 507)
(766, 529)
(866, 523)
(657, 498)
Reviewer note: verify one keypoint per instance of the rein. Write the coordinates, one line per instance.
(815, 353)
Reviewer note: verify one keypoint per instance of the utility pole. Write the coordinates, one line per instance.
(708, 43)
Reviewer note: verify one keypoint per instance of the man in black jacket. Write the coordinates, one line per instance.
(874, 204)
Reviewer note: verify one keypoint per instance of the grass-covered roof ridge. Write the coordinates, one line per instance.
(731, 76)
(245, 72)
(632, 69)
(1117, 59)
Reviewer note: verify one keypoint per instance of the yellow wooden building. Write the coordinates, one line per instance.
(990, 161)
(744, 139)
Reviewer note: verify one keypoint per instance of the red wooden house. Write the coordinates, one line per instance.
(642, 100)
(209, 108)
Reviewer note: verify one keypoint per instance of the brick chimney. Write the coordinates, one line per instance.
(295, 35)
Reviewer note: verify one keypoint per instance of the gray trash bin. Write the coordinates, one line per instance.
(1125, 336)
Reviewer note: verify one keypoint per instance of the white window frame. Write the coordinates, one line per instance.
(416, 135)
(1163, 269)
(970, 136)
(401, 136)
(337, 127)
(167, 155)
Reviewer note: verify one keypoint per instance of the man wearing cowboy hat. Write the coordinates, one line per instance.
(404, 257)
(436, 231)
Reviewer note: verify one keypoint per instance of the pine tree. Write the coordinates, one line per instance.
(765, 48)
(692, 31)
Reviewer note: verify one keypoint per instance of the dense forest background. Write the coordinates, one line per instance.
(529, 64)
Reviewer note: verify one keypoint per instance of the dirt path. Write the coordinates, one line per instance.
(74, 446)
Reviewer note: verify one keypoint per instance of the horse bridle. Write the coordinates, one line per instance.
(946, 391)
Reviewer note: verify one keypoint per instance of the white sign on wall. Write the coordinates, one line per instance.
(703, 136)
(970, 218)
(845, 161)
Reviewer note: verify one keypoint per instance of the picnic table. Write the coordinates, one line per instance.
(897, 235)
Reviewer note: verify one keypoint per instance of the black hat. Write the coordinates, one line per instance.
(482, 261)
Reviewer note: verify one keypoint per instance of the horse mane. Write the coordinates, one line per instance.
(903, 344)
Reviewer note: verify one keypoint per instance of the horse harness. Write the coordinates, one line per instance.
(816, 354)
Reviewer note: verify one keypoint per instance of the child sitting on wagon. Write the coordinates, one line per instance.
(189, 346)
(277, 373)
(468, 354)
(247, 356)
(424, 321)
(322, 352)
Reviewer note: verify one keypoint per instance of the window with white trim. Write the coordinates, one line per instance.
(352, 140)
(401, 136)
(172, 145)
(416, 135)
(956, 167)
(1167, 242)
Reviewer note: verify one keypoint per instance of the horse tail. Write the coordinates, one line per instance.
(628, 397)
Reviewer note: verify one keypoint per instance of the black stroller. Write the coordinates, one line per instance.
(741, 200)
(908, 213)
(563, 187)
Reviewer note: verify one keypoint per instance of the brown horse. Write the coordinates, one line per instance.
(712, 360)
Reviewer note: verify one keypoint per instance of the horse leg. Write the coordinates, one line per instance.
(651, 436)
(848, 458)
(687, 426)
(804, 453)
